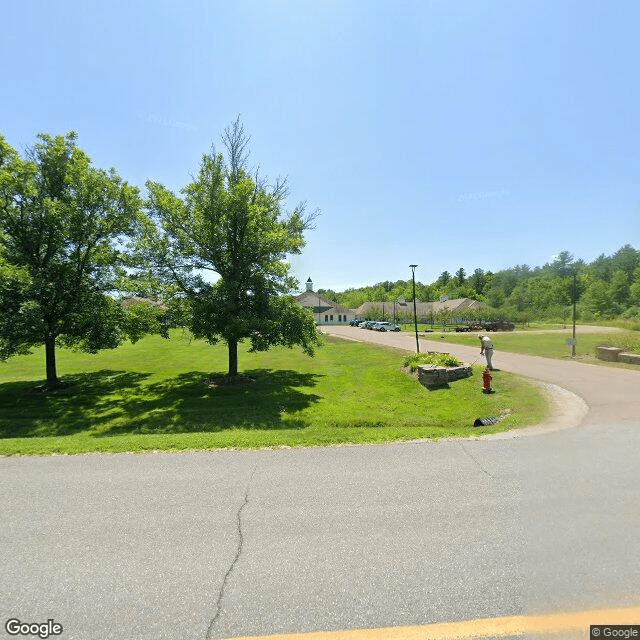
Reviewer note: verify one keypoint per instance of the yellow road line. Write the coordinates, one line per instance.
(480, 628)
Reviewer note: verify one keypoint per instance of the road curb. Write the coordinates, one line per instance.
(568, 410)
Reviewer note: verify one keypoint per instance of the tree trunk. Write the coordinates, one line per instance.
(50, 353)
(233, 357)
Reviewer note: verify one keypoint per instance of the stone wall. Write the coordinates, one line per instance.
(631, 358)
(431, 375)
(610, 354)
(614, 354)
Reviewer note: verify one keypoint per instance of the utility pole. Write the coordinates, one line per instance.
(415, 313)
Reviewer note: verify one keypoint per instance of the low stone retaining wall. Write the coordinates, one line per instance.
(631, 358)
(610, 354)
(614, 354)
(431, 375)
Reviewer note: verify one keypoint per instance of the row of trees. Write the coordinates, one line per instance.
(605, 288)
(441, 317)
(75, 239)
(458, 286)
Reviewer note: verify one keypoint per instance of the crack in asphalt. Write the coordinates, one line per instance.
(234, 561)
(475, 460)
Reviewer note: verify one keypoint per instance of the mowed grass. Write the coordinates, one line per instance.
(549, 345)
(152, 396)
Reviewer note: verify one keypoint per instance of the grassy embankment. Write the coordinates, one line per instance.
(151, 396)
(551, 344)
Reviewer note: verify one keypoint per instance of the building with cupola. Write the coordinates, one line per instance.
(324, 311)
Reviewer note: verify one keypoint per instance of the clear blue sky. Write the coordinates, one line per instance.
(447, 134)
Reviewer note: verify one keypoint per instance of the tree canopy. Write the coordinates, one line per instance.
(63, 223)
(607, 287)
(222, 244)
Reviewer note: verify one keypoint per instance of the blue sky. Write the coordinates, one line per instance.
(447, 134)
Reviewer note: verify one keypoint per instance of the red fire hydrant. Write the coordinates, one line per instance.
(486, 381)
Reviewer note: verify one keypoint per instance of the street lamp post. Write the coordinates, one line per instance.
(573, 342)
(415, 313)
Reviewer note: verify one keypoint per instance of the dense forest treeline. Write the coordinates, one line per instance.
(608, 287)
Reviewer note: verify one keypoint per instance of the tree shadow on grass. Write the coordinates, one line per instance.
(437, 387)
(103, 403)
(88, 402)
(186, 404)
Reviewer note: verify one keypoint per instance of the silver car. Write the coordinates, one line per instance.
(386, 326)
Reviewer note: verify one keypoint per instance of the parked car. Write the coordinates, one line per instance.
(386, 326)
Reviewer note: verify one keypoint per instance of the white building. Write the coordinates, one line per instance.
(324, 311)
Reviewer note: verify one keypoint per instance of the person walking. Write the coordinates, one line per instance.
(486, 349)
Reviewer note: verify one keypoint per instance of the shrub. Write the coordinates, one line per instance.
(438, 359)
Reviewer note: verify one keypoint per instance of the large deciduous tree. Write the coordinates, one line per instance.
(61, 222)
(229, 223)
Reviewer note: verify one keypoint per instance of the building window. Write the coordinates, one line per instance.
(339, 318)
(332, 317)
(326, 318)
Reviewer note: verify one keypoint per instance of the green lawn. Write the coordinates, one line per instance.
(548, 345)
(151, 396)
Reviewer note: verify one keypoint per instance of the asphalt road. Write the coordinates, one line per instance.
(224, 544)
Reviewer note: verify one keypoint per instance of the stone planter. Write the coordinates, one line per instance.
(431, 375)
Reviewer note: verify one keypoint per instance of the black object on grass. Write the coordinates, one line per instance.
(485, 422)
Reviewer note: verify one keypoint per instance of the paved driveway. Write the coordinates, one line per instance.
(223, 544)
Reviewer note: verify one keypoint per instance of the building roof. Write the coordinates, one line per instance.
(319, 303)
(365, 307)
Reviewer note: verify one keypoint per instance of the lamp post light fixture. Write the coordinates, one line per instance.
(415, 313)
